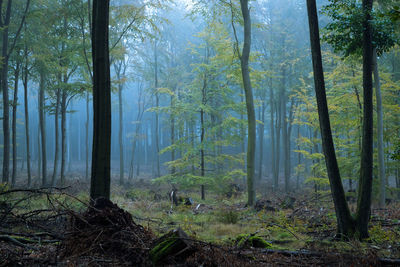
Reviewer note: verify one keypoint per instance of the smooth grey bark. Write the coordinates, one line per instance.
(56, 136)
(14, 122)
(272, 129)
(344, 220)
(261, 140)
(26, 112)
(42, 125)
(251, 117)
(157, 131)
(100, 175)
(379, 126)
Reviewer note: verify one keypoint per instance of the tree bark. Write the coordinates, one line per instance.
(251, 118)
(344, 220)
(56, 136)
(26, 109)
(63, 135)
(365, 183)
(379, 113)
(157, 131)
(14, 123)
(100, 176)
(87, 137)
(4, 88)
(42, 124)
(261, 140)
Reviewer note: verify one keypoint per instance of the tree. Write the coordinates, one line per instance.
(100, 175)
(6, 51)
(251, 117)
(348, 17)
(347, 225)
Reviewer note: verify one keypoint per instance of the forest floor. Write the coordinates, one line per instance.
(42, 227)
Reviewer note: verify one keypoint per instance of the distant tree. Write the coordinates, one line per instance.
(100, 175)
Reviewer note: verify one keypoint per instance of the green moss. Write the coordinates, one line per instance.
(254, 241)
(162, 249)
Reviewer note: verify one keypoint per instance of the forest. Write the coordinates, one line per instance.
(200, 133)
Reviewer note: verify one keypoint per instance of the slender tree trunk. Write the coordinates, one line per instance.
(56, 137)
(157, 131)
(261, 140)
(14, 124)
(26, 109)
(285, 131)
(202, 133)
(278, 126)
(272, 127)
(42, 124)
(343, 217)
(172, 118)
(251, 118)
(63, 134)
(87, 137)
(100, 175)
(120, 135)
(365, 183)
(379, 113)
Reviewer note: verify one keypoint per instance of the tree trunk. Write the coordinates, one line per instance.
(379, 113)
(56, 137)
(365, 183)
(100, 176)
(344, 220)
(14, 124)
(26, 109)
(251, 118)
(272, 126)
(285, 132)
(42, 123)
(120, 133)
(4, 87)
(87, 137)
(157, 131)
(63, 134)
(261, 140)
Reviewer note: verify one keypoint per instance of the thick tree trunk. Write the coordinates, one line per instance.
(42, 123)
(100, 176)
(6, 104)
(365, 183)
(344, 219)
(379, 113)
(251, 118)
(14, 124)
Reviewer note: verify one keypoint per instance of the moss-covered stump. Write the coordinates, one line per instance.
(175, 244)
(246, 240)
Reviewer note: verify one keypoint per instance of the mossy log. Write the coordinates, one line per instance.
(245, 240)
(175, 243)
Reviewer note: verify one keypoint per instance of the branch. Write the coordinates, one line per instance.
(19, 29)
